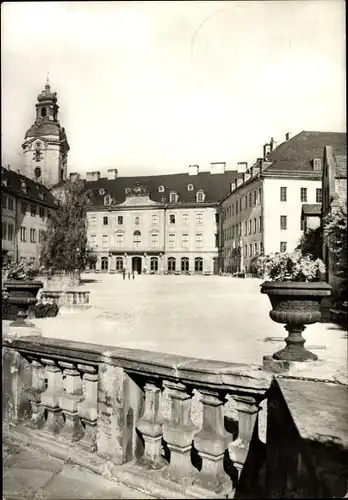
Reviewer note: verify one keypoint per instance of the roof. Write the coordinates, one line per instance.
(215, 187)
(311, 209)
(34, 189)
(340, 162)
(43, 127)
(298, 152)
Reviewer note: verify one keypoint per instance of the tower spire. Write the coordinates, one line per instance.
(48, 79)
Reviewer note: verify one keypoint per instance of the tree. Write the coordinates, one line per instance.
(65, 246)
(311, 243)
(335, 232)
(91, 257)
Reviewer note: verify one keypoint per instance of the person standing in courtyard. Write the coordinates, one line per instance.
(124, 273)
(129, 275)
(133, 274)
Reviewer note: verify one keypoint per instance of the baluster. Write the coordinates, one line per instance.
(150, 425)
(87, 408)
(72, 429)
(38, 386)
(50, 397)
(211, 442)
(178, 433)
(248, 408)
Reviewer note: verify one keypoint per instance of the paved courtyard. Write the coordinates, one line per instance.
(210, 317)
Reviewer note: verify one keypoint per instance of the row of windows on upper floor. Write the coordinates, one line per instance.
(303, 194)
(254, 197)
(173, 196)
(254, 249)
(7, 233)
(154, 240)
(8, 202)
(154, 219)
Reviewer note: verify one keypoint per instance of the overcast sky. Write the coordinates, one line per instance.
(155, 86)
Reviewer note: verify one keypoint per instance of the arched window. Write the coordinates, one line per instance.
(136, 238)
(198, 264)
(172, 198)
(171, 264)
(160, 189)
(154, 219)
(190, 187)
(119, 263)
(38, 172)
(154, 264)
(104, 263)
(200, 197)
(185, 267)
(43, 112)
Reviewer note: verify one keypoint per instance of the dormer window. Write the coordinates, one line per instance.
(172, 198)
(107, 200)
(190, 187)
(316, 164)
(101, 192)
(200, 197)
(24, 186)
(127, 190)
(161, 189)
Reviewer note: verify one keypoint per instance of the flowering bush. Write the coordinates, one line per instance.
(289, 267)
(335, 232)
(22, 271)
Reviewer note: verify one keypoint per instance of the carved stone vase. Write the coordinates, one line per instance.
(296, 304)
(23, 294)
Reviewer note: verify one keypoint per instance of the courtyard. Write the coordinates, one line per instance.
(210, 317)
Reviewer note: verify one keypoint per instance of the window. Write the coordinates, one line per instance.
(185, 264)
(190, 187)
(119, 263)
(92, 239)
(255, 248)
(317, 164)
(240, 205)
(93, 221)
(101, 192)
(245, 228)
(136, 238)
(217, 218)
(154, 219)
(255, 225)
(37, 172)
(127, 190)
(200, 197)
(302, 224)
(199, 218)
(185, 240)
(303, 195)
(23, 207)
(237, 206)
(283, 246)
(260, 224)
(199, 240)
(104, 263)
(3, 230)
(255, 197)
(136, 221)
(154, 240)
(249, 224)
(198, 264)
(250, 250)
(105, 220)
(172, 219)
(318, 195)
(172, 198)
(119, 240)
(43, 112)
(171, 240)
(283, 222)
(260, 195)
(23, 234)
(161, 189)
(245, 202)
(232, 210)
(246, 250)
(105, 239)
(250, 199)
(171, 264)
(10, 203)
(3, 201)
(153, 264)
(32, 235)
(216, 240)
(107, 200)
(283, 194)
(261, 247)
(33, 210)
(42, 212)
(10, 232)
(120, 220)
(185, 218)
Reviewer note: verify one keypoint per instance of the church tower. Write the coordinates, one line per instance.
(46, 147)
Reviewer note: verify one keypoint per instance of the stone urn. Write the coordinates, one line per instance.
(23, 294)
(295, 304)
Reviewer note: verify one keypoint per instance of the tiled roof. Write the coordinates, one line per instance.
(340, 162)
(298, 152)
(215, 187)
(44, 127)
(12, 181)
(311, 209)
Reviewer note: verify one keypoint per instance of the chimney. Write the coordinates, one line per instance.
(271, 144)
(112, 174)
(92, 176)
(74, 176)
(266, 151)
(232, 186)
(218, 167)
(287, 136)
(193, 169)
(239, 182)
(242, 166)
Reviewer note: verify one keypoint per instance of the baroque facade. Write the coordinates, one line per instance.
(263, 211)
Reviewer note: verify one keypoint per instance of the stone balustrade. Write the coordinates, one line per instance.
(67, 300)
(131, 412)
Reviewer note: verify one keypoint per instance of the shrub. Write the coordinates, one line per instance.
(311, 243)
(289, 267)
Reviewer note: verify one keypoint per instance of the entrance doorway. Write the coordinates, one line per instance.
(136, 264)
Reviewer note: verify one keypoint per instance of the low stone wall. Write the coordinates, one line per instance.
(67, 300)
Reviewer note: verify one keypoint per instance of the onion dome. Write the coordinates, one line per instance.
(46, 94)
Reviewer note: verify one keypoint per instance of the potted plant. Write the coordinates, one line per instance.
(22, 290)
(295, 293)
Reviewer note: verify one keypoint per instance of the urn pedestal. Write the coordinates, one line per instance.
(22, 294)
(295, 304)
